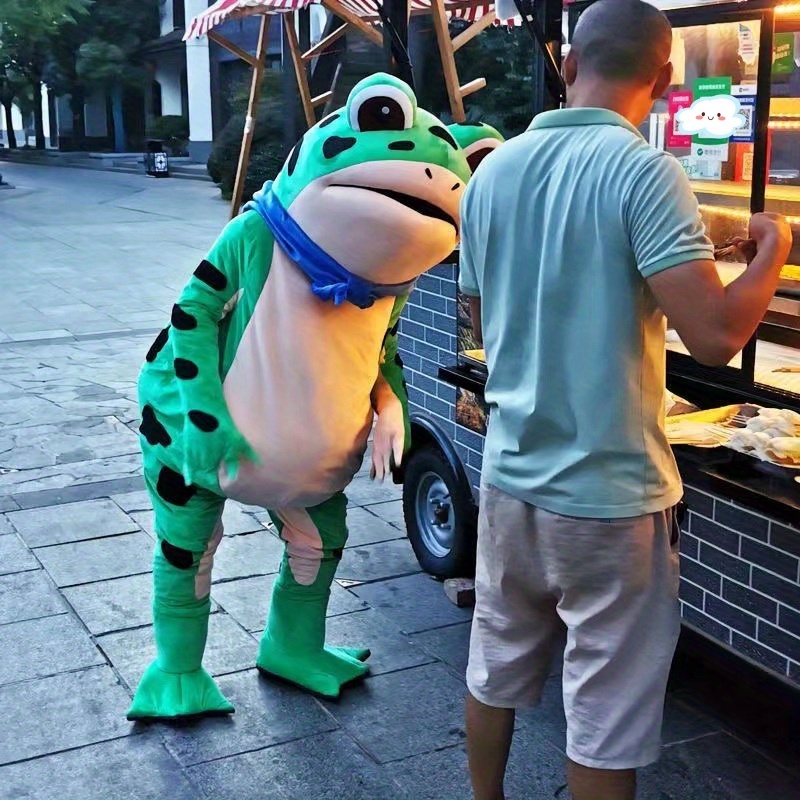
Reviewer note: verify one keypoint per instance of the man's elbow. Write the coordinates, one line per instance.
(717, 351)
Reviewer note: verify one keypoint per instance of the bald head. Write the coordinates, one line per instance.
(622, 41)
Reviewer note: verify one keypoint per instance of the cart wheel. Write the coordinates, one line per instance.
(439, 515)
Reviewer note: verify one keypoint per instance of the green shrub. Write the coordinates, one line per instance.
(267, 152)
(173, 130)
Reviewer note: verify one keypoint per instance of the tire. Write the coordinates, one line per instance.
(440, 515)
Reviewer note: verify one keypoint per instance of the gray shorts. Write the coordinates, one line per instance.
(612, 587)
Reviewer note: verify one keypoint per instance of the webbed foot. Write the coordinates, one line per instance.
(324, 672)
(167, 695)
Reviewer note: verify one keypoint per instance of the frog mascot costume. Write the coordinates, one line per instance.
(280, 349)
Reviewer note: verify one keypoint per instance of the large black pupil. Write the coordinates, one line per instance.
(381, 114)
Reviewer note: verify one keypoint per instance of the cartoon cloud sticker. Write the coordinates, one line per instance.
(714, 117)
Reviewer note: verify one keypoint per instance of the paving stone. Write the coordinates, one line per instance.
(377, 562)
(236, 520)
(14, 556)
(5, 525)
(97, 560)
(247, 555)
(228, 649)
(28, 595)
(535, 771)
(390, 649)
(365, 528)
(405, 713)
(715, 766)
(113, 605)
(61, 712)
(73, 522)
(36, 648)
(683, 723)
(324, 767)
(391, 512)
(267, 713)
(133, 501)
(131, 768)
(450, 644)
(414, 603)
(146, 521)
(247, 600)
(362, 491)
(7, 503)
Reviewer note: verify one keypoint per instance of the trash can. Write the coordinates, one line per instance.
(156, 160)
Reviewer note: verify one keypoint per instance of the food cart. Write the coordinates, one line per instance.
(740, 548)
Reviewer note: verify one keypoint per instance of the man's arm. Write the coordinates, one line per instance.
(716, 321)
(676, 258)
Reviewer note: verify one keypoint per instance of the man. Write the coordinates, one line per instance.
(577, 239)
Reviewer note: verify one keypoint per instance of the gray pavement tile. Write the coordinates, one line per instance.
(14, 556)
(61, 712)
(236, 520)
(365, 528)
(391, 650)
(81, 491)
(324, 767)
(717, 766)
(228, 649)
(132, 768)
(5, 525)
(146, 521)
(97, 559)
(28, 595)
(113, 605)
(7, 503)
(450, 645)
(36, 648)
(248, 600)
(133, 501)
(534, 772)
(267, 713)
(73, 522)
(402, 714)
(377, 562)
(247, 555)
(683, 723)
(391, 512)
(363, 491)
(414, 603)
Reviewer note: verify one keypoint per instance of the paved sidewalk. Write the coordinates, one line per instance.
(90, 263)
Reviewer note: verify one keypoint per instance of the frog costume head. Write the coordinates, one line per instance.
(376, 186)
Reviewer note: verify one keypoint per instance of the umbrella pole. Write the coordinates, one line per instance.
(249, 123)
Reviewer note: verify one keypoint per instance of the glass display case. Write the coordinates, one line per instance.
(748, 51)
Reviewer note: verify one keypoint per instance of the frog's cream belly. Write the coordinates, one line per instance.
(299, 391)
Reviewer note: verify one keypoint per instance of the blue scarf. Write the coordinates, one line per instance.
(329, 279)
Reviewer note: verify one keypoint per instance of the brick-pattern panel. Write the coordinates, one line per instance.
(740, 581)
(740, 571)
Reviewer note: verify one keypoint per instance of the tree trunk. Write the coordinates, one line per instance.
(119, 121)
(38, 115)
(77, 105)
(12, 136)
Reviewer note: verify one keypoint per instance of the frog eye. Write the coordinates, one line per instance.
(381, 108)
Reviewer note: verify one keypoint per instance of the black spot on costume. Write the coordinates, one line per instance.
(185, 369)
(334, 145)
(211, 276)
(205, 422)
(157, 346)
(181, 320)
(173, 489)
(152, 429)
(443, 133)
(177, 556)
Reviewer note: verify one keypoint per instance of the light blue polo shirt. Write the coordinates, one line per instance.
(560, 228)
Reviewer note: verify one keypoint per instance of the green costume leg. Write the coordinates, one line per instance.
(188, 527)
(293, 644)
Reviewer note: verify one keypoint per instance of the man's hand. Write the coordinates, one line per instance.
(770, 232)
(388, 440)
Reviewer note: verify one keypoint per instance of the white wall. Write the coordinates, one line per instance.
(169, 78)
(167, 23)
(198, 80)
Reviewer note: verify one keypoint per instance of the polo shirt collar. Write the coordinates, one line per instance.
(574, 117)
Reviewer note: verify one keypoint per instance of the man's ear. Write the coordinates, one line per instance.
(569, 68)
(663, 81)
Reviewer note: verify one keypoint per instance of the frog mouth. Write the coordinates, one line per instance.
(409, 201)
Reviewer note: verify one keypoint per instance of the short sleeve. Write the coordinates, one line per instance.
(467, 272)
(663, 218)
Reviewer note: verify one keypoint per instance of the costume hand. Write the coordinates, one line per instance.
(388, 440)
(207, 451)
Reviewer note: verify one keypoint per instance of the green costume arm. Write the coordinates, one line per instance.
(391, 370)
(210, 436)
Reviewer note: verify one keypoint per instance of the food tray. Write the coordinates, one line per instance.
(474, 358)
(710, 427)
